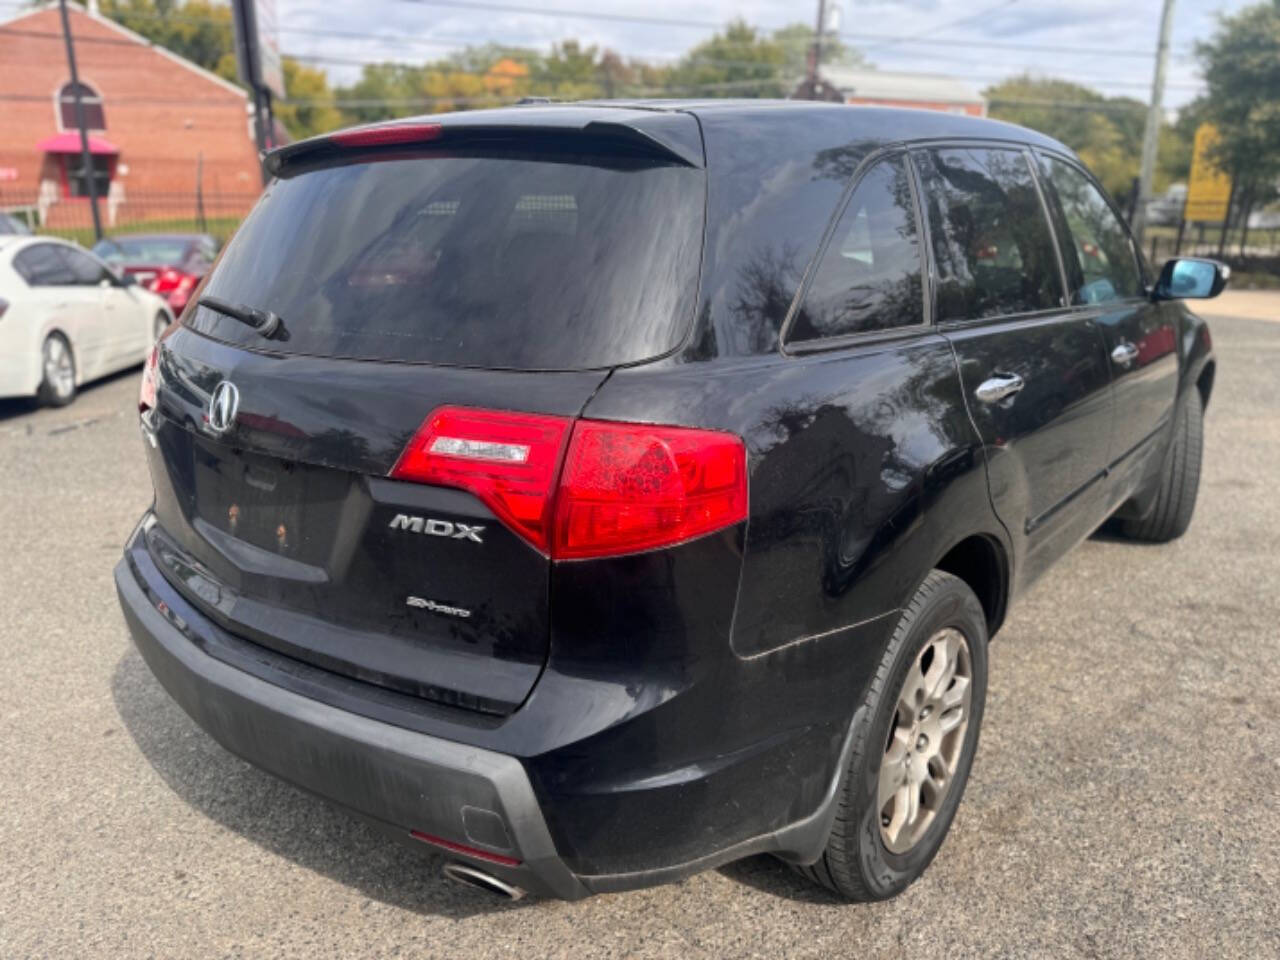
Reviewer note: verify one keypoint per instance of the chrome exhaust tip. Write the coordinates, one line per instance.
(472, 877)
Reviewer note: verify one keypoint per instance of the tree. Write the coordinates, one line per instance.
(376, 95)
(1241, 65)
(796, 40)
(197, 30)
(1173, 161)
(1105, 132)
(315, 111)
(740, 62)
(570, 72)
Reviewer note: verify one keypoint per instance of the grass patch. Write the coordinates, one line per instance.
(220, 227)
(1253, 281)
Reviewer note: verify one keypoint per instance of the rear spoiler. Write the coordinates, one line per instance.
(673, 137)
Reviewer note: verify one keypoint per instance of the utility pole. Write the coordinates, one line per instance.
(86, 158)
(815, 51)
(1151, 136)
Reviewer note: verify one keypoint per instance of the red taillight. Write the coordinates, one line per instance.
(169, 280)
(508, 460)
(147, 391)
(166, 279)
(623, 487)
(388, 135)
(630, 487)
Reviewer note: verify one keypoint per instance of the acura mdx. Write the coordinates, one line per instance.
(598, 493)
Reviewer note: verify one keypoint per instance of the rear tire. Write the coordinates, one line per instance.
(877, 849)
(58, 365)
(1175, 501)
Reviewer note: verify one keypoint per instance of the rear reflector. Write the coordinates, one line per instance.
(463, 849)
(618, 488)
(388, 135)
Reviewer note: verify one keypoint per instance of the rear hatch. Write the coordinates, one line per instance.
(506, 273)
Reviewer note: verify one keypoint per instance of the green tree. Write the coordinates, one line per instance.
(374, 96)
(1105, 132)
(796, 40)
(1241, 65)
(740, 62)
(314, 112)
(570, 72)
(1173, 160)
(197, 30)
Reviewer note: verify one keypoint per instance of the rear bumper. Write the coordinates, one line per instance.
(402, 779)
(601, 782)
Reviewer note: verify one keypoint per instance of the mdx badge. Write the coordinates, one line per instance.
(436, 528)
(224, 403)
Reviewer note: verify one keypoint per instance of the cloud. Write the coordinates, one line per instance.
(418, 32)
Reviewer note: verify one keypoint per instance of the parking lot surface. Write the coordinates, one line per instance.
(1124, 801)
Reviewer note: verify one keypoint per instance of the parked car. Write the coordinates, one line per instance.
(170, 264)
(600, 493)
(11, 225)
(66, 318)
(1166, 209)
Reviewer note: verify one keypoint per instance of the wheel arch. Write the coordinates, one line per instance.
(982, 562)
(1204, 381)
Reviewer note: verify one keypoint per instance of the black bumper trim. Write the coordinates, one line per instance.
(399, 777)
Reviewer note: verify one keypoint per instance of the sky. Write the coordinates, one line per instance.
(1106, 44)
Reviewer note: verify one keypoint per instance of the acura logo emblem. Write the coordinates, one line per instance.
(223, 404)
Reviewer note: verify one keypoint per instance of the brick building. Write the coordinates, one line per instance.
(886, 88)
(161, 127)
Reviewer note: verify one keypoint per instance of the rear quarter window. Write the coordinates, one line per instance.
(42, 265)
(870, 277)
(499, 261)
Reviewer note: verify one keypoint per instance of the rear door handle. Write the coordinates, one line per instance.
(998, 387)
(1124, 354)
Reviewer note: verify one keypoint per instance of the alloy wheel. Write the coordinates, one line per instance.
(926, 739)
(59, 368)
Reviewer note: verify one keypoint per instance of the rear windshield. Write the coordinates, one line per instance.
(529, 263)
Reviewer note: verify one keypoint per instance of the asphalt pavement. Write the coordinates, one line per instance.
(1123, 802)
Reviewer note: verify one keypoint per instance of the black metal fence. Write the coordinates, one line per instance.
(128, 211)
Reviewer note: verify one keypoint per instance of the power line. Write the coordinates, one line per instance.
(774, 77)
(483, 4)
(987, 77)
(946, 25)
(859, 39)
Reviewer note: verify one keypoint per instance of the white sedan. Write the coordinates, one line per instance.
(66, 318)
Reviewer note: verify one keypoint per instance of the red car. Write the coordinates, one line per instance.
(170, 264)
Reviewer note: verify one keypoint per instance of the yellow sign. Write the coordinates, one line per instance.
(1209, 189)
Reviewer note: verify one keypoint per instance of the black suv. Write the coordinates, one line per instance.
(598, 493)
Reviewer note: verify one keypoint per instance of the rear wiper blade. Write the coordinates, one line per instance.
(264, 321)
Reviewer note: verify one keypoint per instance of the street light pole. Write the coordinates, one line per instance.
(86, 158)
(1151, 135)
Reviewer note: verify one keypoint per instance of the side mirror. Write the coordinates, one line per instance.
(127, 280)
(1191, 279)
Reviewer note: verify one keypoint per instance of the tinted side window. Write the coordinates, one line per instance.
(1100, 260)
(870, 276)
(43, 266)
(992, 245)
(85, 270)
